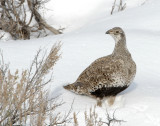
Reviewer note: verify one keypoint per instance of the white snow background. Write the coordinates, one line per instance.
(84, 40)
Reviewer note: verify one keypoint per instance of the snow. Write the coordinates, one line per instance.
(73, 14)
(85, 41)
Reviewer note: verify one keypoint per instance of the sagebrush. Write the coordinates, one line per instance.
(23, 97)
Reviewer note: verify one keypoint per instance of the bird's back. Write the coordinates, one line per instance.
(107, 71)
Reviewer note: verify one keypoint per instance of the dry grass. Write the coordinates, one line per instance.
(22, 95)
(92, 119)
(75, 119)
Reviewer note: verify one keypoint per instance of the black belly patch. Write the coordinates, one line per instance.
(108, 91)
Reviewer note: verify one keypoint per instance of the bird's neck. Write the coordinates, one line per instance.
(120, 46)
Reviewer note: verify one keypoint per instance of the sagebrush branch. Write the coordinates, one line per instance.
(13, 15)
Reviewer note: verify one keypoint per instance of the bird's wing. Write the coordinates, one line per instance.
(101, 71)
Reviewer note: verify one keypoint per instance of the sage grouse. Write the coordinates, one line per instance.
(109, 75)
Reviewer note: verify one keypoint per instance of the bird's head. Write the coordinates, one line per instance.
(117, 33)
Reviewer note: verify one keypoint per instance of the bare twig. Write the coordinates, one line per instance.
(2, 36)
(114, 4)
(111, 120)
(120, 6)
(59, 120)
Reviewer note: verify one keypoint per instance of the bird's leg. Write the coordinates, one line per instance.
(99, 102)
(111, 100)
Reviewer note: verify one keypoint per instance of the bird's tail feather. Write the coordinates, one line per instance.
(76, 87)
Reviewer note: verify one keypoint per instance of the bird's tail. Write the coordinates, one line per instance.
(76, 87)
(68, 87)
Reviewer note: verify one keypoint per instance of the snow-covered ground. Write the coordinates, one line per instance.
(85, 40)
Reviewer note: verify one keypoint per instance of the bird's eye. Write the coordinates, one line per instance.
(117, 31)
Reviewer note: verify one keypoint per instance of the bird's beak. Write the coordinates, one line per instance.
(109, 32)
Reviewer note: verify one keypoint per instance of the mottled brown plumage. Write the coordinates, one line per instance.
(109, 75)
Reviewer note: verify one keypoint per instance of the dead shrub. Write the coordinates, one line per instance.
(13, 18)
(23, 97)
